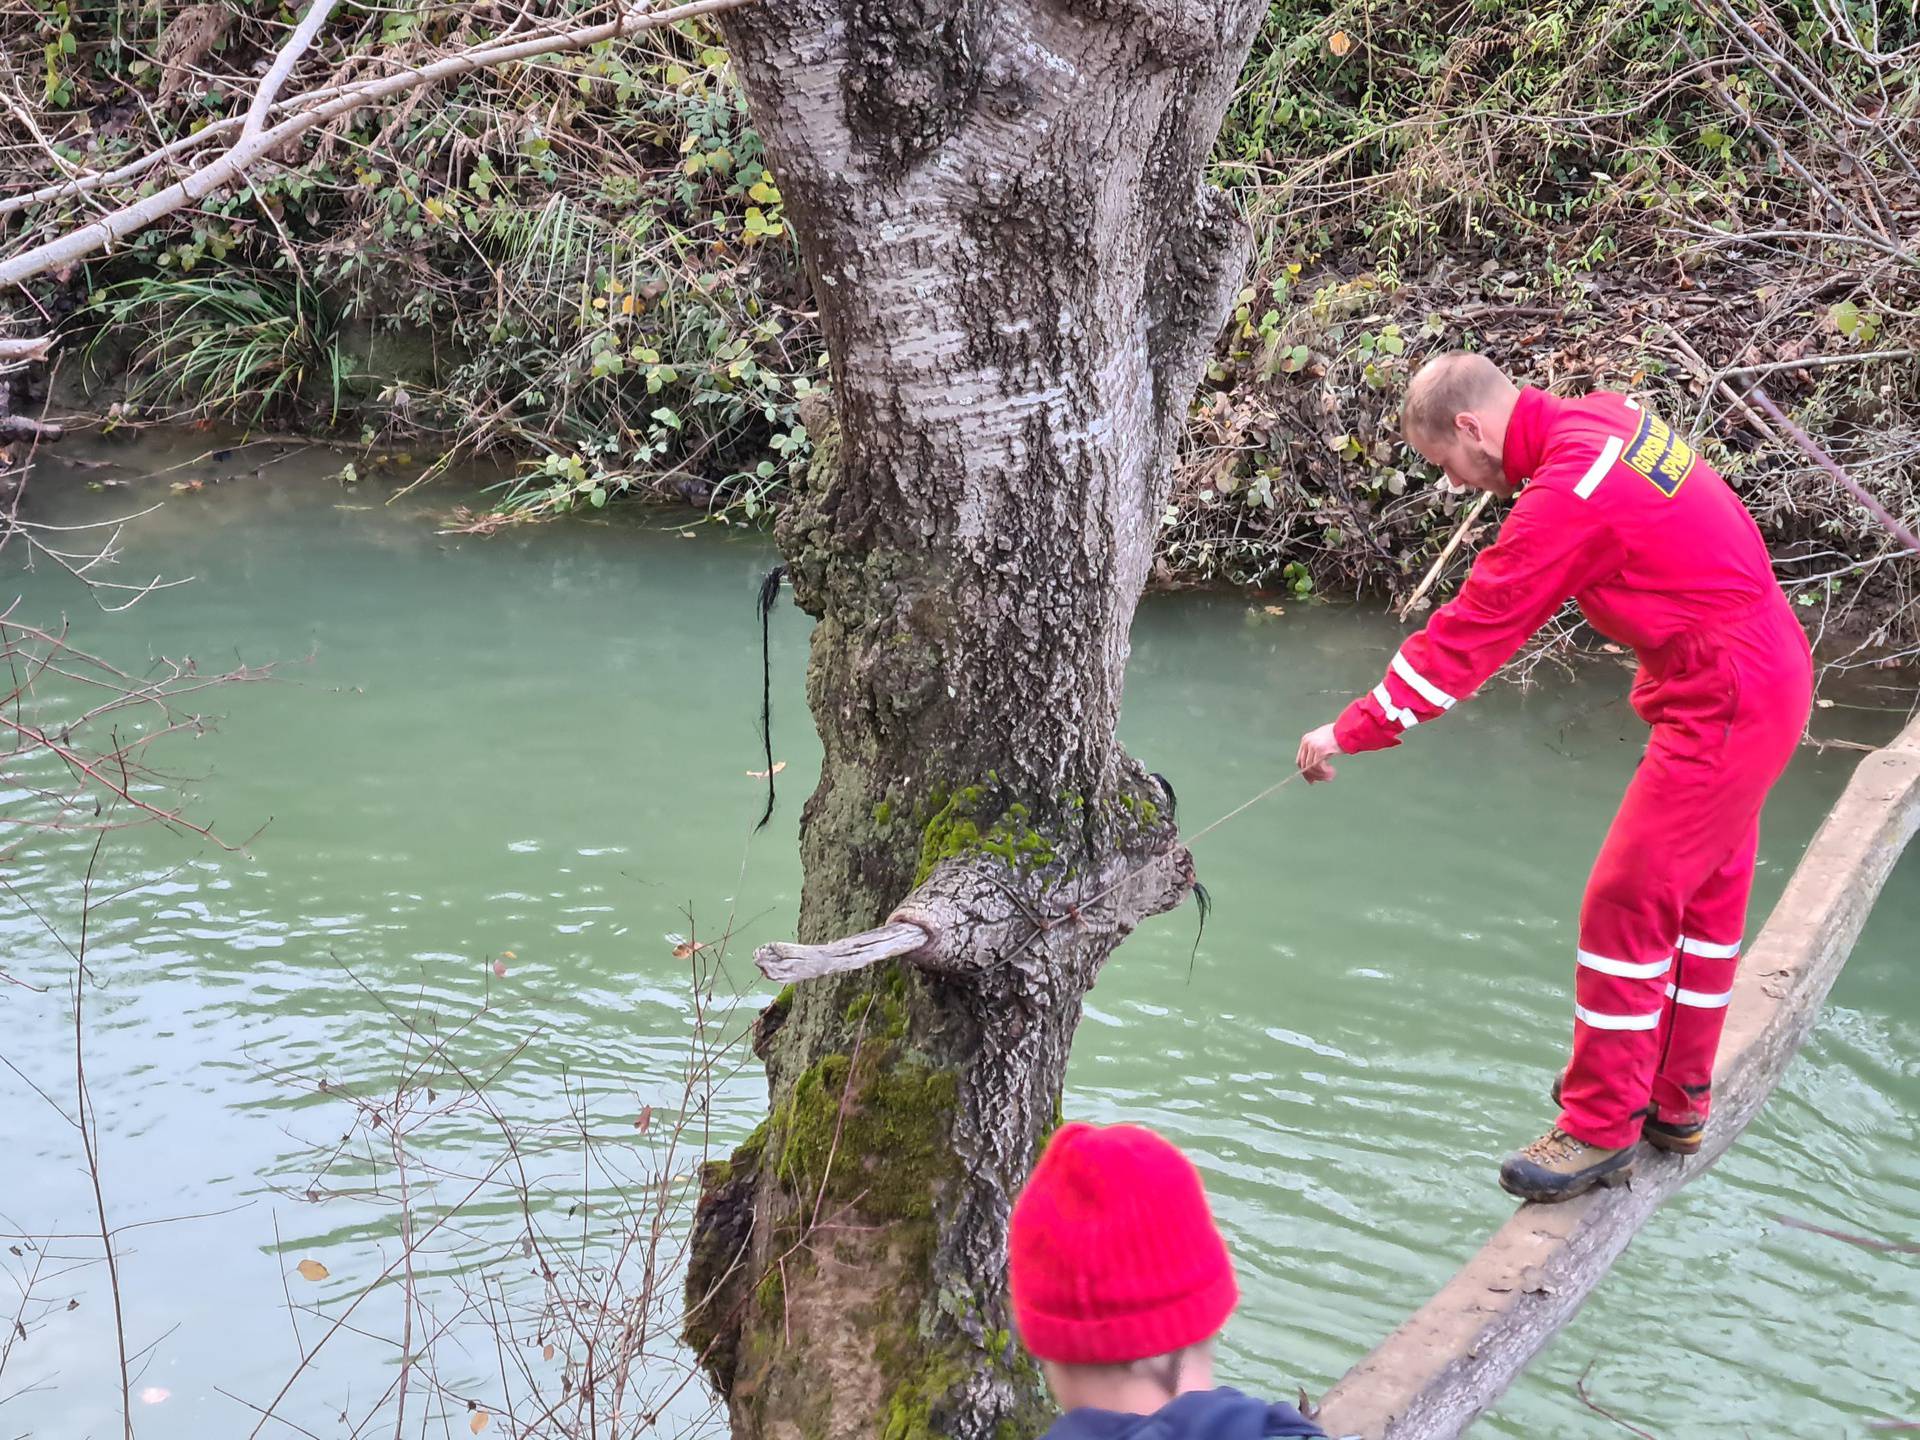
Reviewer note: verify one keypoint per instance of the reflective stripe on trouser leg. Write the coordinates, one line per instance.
(1620, 1004)
(1708, 955)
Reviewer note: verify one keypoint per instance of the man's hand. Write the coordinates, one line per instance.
(1317, 747)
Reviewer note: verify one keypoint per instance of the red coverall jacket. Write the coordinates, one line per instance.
(1621, 514)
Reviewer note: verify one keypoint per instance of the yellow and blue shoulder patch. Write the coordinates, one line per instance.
(1656, 452)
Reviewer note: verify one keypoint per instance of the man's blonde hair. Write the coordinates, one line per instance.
(1446, 386)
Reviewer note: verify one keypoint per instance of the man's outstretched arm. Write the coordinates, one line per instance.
(1552, 546)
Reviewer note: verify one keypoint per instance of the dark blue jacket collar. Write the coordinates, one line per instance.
(1221, 1414)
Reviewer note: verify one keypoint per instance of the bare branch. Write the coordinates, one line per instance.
(1814, 362)
(1439, 565)
(219, 173)
(1826, 462)
(283, 63)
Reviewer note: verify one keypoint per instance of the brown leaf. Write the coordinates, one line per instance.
(311, 1270)
(547, 1353)
(481, 1419)
(1340, 43)
(687, 949)
(778, 766)
(644, 1119)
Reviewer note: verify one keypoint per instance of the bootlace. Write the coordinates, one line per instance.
(1555, 1145)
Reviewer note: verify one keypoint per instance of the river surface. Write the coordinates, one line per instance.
(502, 777)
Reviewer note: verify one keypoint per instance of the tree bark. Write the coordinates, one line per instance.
(1020, 275)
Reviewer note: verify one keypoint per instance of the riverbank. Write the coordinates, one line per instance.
(1861, 665)
(582, 270)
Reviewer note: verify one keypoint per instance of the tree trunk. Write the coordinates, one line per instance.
(1020, 275)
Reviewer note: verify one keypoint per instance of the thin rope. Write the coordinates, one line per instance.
(1044, 926)
(1241, 809)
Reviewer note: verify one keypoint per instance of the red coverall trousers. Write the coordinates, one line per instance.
(1619, 513)
(1665, 912)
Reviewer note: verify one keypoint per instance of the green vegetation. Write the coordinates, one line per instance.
(224, 344)
(585, 265)
(954, 830)
(1564, 188)
(582, 263)
(910, 1407)
(879, 1100)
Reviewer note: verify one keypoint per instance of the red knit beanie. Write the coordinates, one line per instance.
(1112, 1252)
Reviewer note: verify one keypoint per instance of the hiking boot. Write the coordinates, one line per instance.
(1678, 1137)
(1673, 1136)
(1558, 1167)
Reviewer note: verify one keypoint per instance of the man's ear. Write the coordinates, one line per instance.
(1468, 424)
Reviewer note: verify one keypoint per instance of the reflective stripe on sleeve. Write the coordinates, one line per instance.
(1405, 719)
(1699, 999)
(1423, 687)
(1707, 950)
(1625, 969)
(1617, 1022)
(1609, 453)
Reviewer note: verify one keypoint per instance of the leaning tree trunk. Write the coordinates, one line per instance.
(1020, 275)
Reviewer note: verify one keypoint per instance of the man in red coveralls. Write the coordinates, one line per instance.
(1617, 511)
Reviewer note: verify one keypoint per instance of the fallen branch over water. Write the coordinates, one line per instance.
(257, 141)
(1458, 1354)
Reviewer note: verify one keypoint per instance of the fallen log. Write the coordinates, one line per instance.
(24, 427)
(1459, 1352)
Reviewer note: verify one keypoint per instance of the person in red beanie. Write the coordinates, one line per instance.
(1617, 511)
(1121, 1283)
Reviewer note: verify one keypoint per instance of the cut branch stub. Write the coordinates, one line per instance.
(784, 961)
(968, 915)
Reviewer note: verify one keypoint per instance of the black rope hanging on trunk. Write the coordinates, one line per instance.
(769, 596)
(1202, 897)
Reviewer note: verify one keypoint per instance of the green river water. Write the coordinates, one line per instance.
(537, 743)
